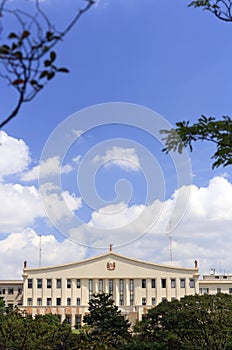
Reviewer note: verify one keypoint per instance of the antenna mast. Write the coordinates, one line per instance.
(40, 250)
(170, 248)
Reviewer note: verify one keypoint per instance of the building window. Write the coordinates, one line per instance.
(153, 301)
(192, 283)
(49, 301)
(29, 301)
(219, 290)
(39, 301)
(230, 290)
(144, 301)
(131, 292)
(78, 301)
(173, 283)
(173, 299)
(58, 301)
(121, 292)
(90, 289)
(163, 282)
(49, 283)
(204, 291)
(69, 283)
(58, 283)
(111, 286)
(19, 291)
(78, 283)
(68, 301)
(39, 283)
(164, 299)
(78, 321)
(100, 286)
(182, 283)
(2, 291)
(68, 319)
(143, 283)
(29, 283)
(10, 291)
(153, 283)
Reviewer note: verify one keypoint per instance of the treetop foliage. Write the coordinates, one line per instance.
(206, 129)
(222, 9)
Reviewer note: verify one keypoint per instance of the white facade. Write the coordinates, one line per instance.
(136, 286)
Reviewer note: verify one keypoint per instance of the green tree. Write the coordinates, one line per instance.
(27, 52)
(218, 132)
(222, 9)
(194, 322)
(108, 327)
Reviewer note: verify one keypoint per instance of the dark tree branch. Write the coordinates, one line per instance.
(28, 57)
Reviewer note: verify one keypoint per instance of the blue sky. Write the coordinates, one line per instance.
(161, 55)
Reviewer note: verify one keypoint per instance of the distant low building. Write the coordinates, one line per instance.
(135, 285)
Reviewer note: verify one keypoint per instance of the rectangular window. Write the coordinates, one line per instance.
(219, 290)
(78, 321)
(29, 283)
(49, 283)
(68, 301)
(49, 301)
(192, 283)
(182, 283)
(143, 283)
(10, 291)
(204, 291)
(144, 301)
(230, 290)
(2, 291)
(39, 301)
(153, 283)
(78, 301)
(58, 301)
(173, 283)
(29, 301)
(131, 292)
(69, 283)
(111, 286)
(163, 282)
(121, 292)
(153, 301)
(173, 299)
(39, 283)
(91, 285)
(58, 283)
(164, 299)
(20, 290)
(78, 283)
(100, 286)
(68, 319)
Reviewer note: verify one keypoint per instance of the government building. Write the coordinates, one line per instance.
(135, 285)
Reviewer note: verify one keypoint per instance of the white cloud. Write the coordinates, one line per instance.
(52, 166)
(21, 246)
(59, 205)
(77, 132)
(20, 205)
(204, 232)
(124, 158)
(14, 155)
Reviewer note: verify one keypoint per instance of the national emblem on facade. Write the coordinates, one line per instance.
(111, 266)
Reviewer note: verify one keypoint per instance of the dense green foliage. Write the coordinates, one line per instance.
(106, 321)
(23, 332)
(206, 129)
(194, 322)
